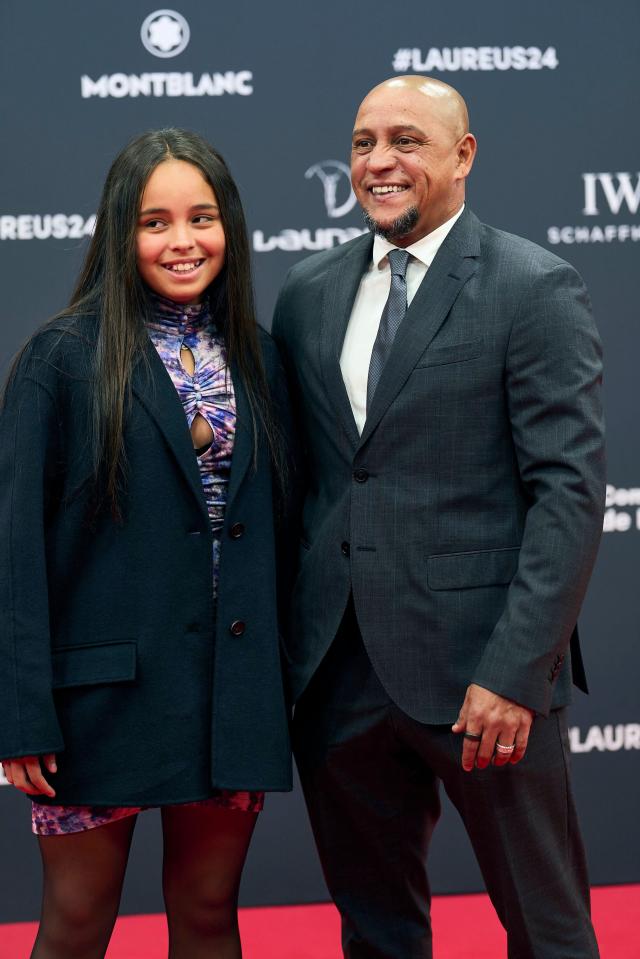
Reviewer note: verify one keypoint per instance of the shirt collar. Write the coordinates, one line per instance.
(423, 250)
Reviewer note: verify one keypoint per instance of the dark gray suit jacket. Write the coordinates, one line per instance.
(465, 519)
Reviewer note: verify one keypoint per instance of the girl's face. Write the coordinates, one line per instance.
(180, 241)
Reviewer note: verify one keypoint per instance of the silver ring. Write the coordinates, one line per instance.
(501, 748)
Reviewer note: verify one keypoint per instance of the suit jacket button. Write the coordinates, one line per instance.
(236, 531)
(361, 476)
(237, 627)
(345, 549)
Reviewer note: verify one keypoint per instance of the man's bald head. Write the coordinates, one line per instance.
(440, 97)
(411, 154)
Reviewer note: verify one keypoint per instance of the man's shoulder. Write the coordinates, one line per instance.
(516, 253)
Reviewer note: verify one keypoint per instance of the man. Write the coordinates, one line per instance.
(452, 516)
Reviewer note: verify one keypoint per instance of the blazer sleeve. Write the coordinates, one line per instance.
(553, 388)
(29, 450)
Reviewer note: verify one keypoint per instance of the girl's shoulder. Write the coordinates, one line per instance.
(64, 333)
(62, 347)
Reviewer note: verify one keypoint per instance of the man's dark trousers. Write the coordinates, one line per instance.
(371, 779)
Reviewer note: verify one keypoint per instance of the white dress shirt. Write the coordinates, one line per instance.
(368, 305)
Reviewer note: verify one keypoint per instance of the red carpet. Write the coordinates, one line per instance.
(465, 927)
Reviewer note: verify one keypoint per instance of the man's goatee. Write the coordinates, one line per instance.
(398, 228)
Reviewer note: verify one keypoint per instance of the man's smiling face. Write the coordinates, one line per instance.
(410, 155)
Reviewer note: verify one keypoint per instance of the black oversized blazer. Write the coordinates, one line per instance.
(112, 654)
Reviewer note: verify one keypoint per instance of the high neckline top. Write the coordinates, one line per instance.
(167, 313)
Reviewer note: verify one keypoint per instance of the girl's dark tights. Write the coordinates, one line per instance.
(204, 852)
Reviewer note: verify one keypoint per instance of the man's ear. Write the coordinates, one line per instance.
(467, 147)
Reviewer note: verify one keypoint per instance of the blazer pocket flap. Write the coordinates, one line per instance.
(456, 353)
(94, 663)
(483, 567)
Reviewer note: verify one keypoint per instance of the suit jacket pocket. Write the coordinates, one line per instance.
(112, 661)
(483, 567)
(456, 353)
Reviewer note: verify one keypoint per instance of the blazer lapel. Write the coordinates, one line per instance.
(341, 286)
(243, 442)
(454, 263)
(154, 388)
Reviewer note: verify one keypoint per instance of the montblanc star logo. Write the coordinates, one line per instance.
(165, 33)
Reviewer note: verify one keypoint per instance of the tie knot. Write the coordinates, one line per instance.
(398, 260)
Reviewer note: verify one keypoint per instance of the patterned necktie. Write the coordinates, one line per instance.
(392, 316)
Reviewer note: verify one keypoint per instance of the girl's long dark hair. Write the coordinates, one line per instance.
(110, 285)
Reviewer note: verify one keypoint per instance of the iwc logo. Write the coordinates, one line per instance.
(331, 173)
(165, 33)
(605, 195)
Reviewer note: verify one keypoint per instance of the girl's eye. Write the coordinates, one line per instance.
(203, 218)
(153, 224)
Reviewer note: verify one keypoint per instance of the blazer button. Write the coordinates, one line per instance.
(361, 476)
(236, 531)
(237, 627)
(345, 549)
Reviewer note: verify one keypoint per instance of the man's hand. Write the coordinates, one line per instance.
(491, 726)
(26, 774)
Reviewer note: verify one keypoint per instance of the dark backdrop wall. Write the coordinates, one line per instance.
(552, 91)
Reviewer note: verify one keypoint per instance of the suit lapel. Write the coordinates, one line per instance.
(454, 263)
(341, 286)
(154, 388)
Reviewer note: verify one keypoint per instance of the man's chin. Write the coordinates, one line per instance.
(393, 228)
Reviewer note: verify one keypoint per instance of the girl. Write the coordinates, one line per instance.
(142, 449)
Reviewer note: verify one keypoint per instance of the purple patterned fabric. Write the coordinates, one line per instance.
(60, 820)
(208, 392)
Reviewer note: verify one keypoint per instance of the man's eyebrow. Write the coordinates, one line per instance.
(410, 127)
(398, 128)
(161, 209)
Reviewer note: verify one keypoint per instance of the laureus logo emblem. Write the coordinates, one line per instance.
(165, 33)
(332, 174)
